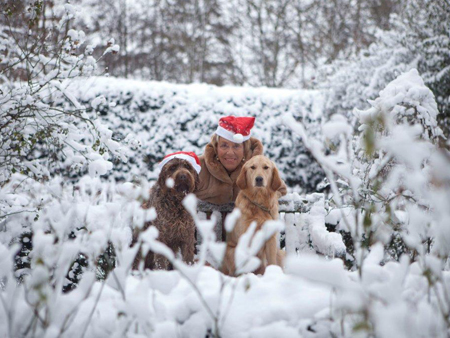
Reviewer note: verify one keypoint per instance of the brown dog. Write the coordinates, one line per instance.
(175, 224)
(259, 181)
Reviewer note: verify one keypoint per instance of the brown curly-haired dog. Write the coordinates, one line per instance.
(175, 224)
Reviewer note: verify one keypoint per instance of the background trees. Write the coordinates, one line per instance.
(259, 42)
(289, 43)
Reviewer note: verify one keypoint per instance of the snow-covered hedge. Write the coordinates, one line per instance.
(156, 118)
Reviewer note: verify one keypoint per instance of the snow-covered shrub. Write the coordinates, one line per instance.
(84, 219)
(373, 165)
(44, 128)
(418, 38)
(315, 297)
(157, 118)
(428, 36)
(65, 221)
(351, 82)
(389, 183)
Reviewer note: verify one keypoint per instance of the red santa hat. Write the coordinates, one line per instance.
(235, 129)
(184, 155)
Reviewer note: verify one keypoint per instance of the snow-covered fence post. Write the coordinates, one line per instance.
(292, 212)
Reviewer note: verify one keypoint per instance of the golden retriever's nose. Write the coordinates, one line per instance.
(259, 181)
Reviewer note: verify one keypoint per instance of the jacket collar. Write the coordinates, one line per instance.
(216, 168)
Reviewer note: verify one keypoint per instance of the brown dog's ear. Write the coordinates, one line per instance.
(241, 181)
(276, 180)
(162, 178)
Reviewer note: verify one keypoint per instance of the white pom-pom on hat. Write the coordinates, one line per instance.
(238, 138)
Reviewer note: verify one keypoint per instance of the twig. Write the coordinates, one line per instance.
(8, 315)
(93, 309)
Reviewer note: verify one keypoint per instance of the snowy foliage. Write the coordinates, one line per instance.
(349, 83)
(389, 182)
(418, 37)
(431, 40)
(44, 128)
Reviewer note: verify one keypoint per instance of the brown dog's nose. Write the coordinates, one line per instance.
(259, 181)
(182, 177)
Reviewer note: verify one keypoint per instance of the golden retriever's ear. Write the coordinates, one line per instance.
(241, 181)
(276, 180)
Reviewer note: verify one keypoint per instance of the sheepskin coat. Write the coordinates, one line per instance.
(216, 184)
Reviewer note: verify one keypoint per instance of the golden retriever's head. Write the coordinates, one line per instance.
(185, 178)
(258, 173)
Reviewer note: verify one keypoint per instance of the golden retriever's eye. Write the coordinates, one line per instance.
(253, 167)
(266, 167)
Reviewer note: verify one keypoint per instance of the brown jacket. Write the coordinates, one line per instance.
(216, 185)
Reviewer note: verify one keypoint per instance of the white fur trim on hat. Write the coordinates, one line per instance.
(229, 135)
(188, 158)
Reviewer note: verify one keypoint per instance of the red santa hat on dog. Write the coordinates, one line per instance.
(235, 129)
(184, 155)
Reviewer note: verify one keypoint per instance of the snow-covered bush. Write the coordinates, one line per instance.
(44, 128)
(428, 36)
(349, 83)
(396, 139)
(389, 183)
(418, 38)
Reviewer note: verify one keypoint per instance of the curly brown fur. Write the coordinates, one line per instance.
(257, 200)
(176, 226)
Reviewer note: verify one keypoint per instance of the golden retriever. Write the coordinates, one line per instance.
(257, 200)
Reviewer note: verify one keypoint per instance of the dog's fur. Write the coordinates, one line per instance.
(175, 224)
(257, 200)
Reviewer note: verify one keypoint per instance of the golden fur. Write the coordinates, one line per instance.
(257, 200)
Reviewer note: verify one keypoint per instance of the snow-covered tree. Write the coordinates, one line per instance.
(44, 128)
(418, 37)
(428, 36)
(389, 183)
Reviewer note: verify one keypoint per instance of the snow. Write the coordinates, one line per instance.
(170, 183)
(337, 125)
(231, 220)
